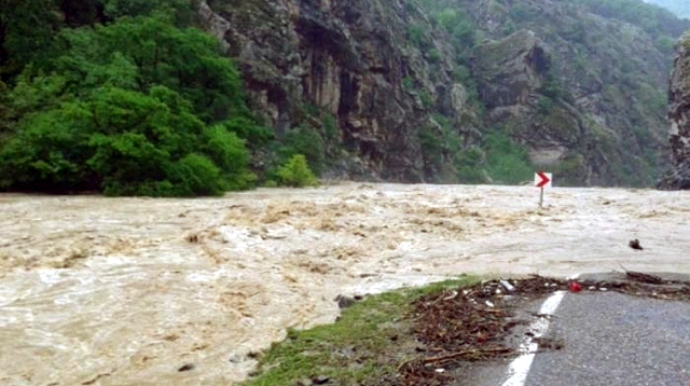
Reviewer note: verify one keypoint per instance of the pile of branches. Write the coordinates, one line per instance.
(473, 324)
(468, 324)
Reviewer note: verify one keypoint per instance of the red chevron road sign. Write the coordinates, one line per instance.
(543, 180)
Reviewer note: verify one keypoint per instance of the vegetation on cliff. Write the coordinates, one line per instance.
(591, 104)
(118, 97)
(128, 97)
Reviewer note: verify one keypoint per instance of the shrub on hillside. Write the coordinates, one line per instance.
(470, 166)
(307, 142)
(506, 161)
(229, 153)
(296, 173)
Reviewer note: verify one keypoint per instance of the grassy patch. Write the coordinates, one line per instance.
(507, 162)
(367, 344)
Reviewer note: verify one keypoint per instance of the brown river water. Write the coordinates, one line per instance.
(100, 291)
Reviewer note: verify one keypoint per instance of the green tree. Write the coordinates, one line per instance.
(27, 32)
(184, 60)
(417, 35)
(80, 12)
(118, 115)
(229, 152)
(447, 19)
(469, 166)
(122, 141)
(307, 142)
(435, 55)
(506, 161)
(464, 32)
(196, 175)
(6, 112)
(47, 153)
(458, 24)
(664, 44)
(296, 172)
(431, 142)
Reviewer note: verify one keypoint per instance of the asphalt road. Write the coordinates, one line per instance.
(607, 339)
(611, 339)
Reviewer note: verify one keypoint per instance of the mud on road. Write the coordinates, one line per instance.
(126, 291)
(487, 321)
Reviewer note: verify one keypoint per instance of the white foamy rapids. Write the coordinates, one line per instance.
(125, 291)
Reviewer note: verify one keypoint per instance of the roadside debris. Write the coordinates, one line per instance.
(507, 285)
(477, 323)
(644, 278)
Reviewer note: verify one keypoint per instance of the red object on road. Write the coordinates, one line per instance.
(544, 179)
(575, 286)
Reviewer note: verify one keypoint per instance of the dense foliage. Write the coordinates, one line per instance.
(119, 97)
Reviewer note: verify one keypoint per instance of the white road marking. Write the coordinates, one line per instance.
(520, 367)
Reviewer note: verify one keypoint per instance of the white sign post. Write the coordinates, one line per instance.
(542, 180)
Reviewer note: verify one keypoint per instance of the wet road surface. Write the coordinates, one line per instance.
(616, 340)
(598, 339)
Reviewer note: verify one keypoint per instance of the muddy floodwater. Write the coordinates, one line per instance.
(98, 291)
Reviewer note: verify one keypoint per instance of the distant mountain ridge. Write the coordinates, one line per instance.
(679, 7)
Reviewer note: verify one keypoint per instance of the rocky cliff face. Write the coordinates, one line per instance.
(581, 91)
(679, 176)
(349, 59)
(510, 71)
(599, 119)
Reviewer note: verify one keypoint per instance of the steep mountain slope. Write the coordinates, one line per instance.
(459, 90)
(603, 118)
(679, 176)
(306, 62)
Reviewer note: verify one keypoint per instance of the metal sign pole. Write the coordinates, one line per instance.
(541, 198)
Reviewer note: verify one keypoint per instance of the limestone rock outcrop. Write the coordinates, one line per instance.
(348, 58)
(580, 89)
